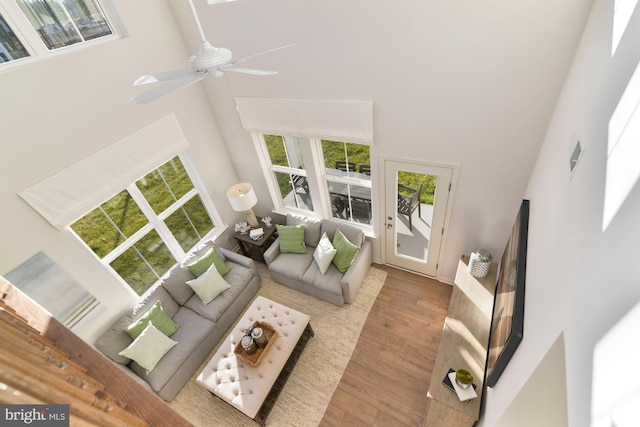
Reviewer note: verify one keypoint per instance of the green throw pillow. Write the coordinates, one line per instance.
(211, 257)
(150, 346)
(209, 285)
(345, 252)
(160, 320)
(291, 238)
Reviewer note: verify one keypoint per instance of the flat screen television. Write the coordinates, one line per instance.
(507, 321)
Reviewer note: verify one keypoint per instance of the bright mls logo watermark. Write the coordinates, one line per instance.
(34, 415)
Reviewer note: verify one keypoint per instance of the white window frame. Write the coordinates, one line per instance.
(268, 169)
(317, 177)
(28, 36)
(156, 222)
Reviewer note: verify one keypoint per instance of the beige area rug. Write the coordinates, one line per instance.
(305, 397)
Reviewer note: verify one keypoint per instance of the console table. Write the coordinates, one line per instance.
(465, 337)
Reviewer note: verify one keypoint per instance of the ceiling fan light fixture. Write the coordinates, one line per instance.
(209, 57)
(208, 61)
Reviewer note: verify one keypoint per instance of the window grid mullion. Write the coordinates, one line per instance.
(199, 189)
(156, 222)
(177, 204)
(128, 243)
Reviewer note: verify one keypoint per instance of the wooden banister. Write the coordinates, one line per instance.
(42, 361)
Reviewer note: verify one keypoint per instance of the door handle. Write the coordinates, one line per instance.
(389, 225)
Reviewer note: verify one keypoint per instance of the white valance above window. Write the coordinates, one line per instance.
(342, 120)
(69, 194)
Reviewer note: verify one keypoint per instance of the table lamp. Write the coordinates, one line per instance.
(242, 199)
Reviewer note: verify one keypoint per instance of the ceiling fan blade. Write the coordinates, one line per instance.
(262, 53)
(161, 77)
(168, 88)
(250, 71)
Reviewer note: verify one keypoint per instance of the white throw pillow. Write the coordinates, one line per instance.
(150, 346)
(324, 253)
(209, 285)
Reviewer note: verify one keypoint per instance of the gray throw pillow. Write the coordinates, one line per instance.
(311, 228)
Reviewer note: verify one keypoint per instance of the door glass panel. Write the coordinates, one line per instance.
(414, 214)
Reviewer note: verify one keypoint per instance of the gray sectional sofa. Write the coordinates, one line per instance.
(201, 326)
(300, 271)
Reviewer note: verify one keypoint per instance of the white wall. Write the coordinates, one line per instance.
(455, 82)
(580, 279)
(56, 112)
(533, 408)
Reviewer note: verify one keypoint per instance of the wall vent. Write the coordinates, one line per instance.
(575, 157)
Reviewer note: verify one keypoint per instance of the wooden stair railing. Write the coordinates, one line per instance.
(42, 362)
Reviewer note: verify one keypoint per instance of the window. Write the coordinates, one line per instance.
(347, 168)
(10, 46)
(39, 27)
(287, 168)
(343, 176)
(145, 229)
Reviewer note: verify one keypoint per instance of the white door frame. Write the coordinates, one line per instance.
(382, 209)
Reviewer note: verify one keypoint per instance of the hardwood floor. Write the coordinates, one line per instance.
(386, 380)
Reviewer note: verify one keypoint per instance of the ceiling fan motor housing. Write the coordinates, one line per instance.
(209, 58)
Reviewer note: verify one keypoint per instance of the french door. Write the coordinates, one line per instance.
(416, 200)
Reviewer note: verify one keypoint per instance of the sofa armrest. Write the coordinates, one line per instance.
(239, 259)
(354, 276)
(272, 253)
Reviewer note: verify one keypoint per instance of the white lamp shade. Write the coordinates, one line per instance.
(242, 197)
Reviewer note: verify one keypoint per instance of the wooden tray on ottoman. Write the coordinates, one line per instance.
(255, 358)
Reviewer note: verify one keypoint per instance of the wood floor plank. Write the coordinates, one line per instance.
(387, 378)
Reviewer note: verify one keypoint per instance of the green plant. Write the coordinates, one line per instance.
(464, 377)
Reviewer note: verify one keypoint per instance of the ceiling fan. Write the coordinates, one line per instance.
(209, 61)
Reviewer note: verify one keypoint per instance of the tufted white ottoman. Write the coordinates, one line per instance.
(253, 390)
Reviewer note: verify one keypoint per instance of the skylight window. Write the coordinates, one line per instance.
(622, 11)
(623, 151)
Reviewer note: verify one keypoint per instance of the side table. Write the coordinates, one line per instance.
(256, 248)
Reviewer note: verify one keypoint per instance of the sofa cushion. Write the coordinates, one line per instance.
(209, 285)
(238, 278)
(188, 339)
(158, 293)
(211, 257)
(156, 315)
(329, 282)
(115, 339)
(345, 252)
(175, 282)
(149, 347)
(324, 253)
(353, 234)
(291, 239)
(197, 252)
(311, 228)
(292, 265)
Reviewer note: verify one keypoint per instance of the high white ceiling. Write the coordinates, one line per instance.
(455, 56)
